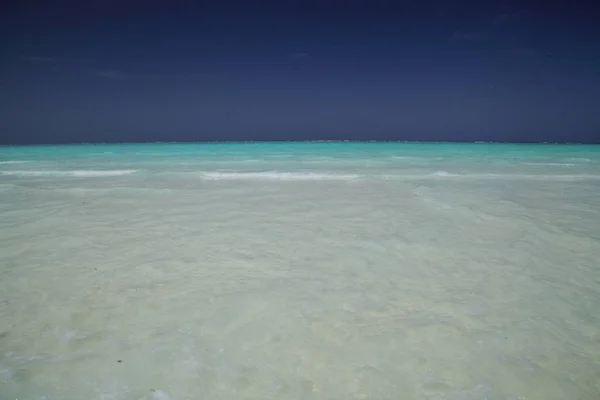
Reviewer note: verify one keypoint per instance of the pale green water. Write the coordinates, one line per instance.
(300, 271)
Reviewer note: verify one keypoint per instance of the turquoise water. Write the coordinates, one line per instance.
(300, 271)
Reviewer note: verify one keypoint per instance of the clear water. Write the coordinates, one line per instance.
(300, 271)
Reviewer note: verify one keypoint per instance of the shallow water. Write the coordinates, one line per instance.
(300, 271)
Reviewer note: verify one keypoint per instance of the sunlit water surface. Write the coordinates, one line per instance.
(300, 271)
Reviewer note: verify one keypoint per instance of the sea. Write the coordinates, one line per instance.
(315, 270)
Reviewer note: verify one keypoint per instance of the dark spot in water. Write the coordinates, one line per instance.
(153, 390)
(22, 375)
(119, 361)
(3, 335)
(436, 386)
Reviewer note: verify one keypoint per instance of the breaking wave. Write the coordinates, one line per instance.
(74, 173)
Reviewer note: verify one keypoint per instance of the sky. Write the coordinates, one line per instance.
(430, 70)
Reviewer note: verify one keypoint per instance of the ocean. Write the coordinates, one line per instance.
(320, 270)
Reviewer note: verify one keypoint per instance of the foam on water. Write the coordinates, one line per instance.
(535, 177)
(304, 176)
(553, 164)
(475, 176)
(74, 173)
(279, 176)
(442, 272)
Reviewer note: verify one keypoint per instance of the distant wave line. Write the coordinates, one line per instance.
(296, 176)
(274, 175)
(493, 176)
(74, 173)
(308, 175)
(550, 164)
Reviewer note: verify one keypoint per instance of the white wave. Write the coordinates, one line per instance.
(550, 164)
(492, 176)
(274, 175)
(536, 177)
(116, 172)
(444, 174)
(75, 173)
(580, 159)
(14, 162)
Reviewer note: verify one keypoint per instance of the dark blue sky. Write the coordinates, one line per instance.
(105, 71)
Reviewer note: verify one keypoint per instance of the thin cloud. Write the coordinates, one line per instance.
(524, 52)
(494, 29)
(39, 59)
(477, 36)
(505, 19)
(116, 74)
(299, 56)
(75, 64)
(109, 73)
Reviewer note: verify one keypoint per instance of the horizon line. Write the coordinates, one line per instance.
(297, 141)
